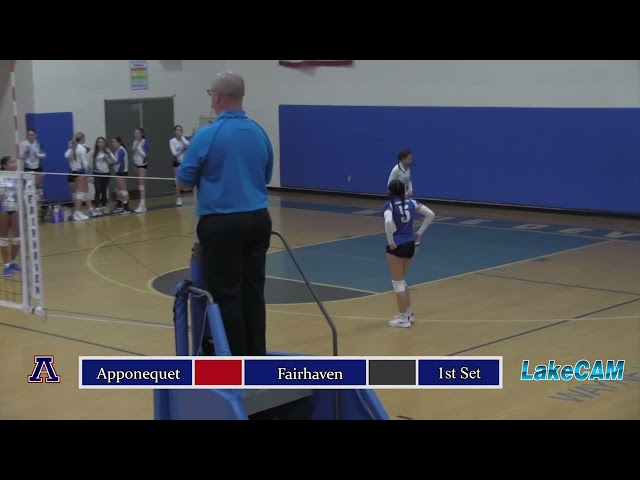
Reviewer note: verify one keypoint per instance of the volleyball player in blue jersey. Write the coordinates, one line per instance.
(402, 171)
(399, 213)
(122, 171)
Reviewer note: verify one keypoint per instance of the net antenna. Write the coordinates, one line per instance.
(32, 298)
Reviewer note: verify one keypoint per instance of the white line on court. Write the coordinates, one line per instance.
(352, 317)
(110, 320)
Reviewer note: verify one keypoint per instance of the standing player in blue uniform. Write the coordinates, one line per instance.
(122, 170)
(399, 214)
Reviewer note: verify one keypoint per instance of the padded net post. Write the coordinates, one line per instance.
(18, 289)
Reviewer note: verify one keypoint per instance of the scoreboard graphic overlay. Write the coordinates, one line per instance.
(285, 372)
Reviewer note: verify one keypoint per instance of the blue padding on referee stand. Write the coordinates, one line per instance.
(230, 404)
(54, 130)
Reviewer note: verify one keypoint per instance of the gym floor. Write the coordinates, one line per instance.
(522, 285)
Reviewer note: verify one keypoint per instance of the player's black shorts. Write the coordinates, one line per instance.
(74, 174)
(38, 170)
(176, 164)
(404, 250)
(145, 166)
(122, 174)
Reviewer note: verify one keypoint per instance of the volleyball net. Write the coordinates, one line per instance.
(22, 286)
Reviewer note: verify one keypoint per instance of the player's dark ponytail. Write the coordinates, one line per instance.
(119, 140)
(3, 162)
(396, 190)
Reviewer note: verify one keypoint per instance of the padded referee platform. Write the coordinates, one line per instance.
(251, 404)
(256, 401)
(301, 404)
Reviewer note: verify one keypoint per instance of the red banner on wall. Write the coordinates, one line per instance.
(314, 63)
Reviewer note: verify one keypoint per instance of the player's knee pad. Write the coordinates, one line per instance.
(124, 194)
(15, 241)
(398, 286)
(4, 242)
(141, 188)
(78, 195)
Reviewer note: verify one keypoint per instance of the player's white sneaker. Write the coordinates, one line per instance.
(400, 321)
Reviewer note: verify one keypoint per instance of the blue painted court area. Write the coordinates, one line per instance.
(445, 251)
(471, 222)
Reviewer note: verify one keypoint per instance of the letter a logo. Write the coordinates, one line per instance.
(43, 365)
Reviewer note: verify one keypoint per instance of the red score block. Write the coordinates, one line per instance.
(218, 372)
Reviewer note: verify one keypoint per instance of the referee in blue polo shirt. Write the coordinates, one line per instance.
(231, 162)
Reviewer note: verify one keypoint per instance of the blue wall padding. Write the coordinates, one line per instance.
(566, 158)
(54, 130)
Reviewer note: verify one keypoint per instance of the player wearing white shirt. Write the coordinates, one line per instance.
(32, 153)
(402, 171)
(9, 218)
(77, 155)
(140, 154)
(178, 145)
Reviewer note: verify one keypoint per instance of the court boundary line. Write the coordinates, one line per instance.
(488, 227)
(513, 229)
(426, 201)
(150, 290)
(460, 275)
(125, 244)
(145, 324)
(73, 339)
(278, 250)
(534, 330)
(459, 224)
(149, 325)
(370, 292)
(542, 282)
(417, 285)
(89, 264)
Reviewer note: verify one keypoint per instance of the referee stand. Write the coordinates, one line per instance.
(305, 403)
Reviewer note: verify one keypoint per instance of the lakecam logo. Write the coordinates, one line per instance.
(581, 371)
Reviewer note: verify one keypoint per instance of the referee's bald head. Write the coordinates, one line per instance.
(229, 84)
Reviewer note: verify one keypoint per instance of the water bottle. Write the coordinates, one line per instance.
(57, 214)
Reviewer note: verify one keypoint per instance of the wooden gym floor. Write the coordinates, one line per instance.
(484, 282)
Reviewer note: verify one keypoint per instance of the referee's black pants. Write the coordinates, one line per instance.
(234, 257)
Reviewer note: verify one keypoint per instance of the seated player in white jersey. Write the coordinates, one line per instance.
(9, 218)
(402, 171)
(399, 213)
